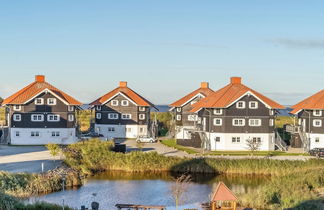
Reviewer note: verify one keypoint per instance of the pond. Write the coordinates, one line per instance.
(147, 189)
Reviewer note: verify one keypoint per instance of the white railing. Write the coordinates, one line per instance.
(280, 143)
(304, 139)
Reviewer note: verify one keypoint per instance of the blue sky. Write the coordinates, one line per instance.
(164, 49)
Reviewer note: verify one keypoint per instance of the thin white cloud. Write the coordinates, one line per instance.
(299, 44)
(185, 44)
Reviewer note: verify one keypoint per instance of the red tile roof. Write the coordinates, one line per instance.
(229, 94)
(222, 193)
(204, 90)
(315, 101)
(136, 98)
(35, 88)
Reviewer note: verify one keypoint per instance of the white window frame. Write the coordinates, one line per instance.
(217, 139)
(239, 120)
(220, 121)
(253, 102)
(114, 102)
(39, 103)
(238, 103)
(236, 139)
(53, 103)
(255, 122)
(111, 129)
(315, 121)
(271, 122)
(218, 111)
(319, 114)
(179, 109)
(142, 108)
(71, 117)
(54, 116)
(111, 116)
(17, 107)
(317, 140)
(55, 134)
(70, 108)
(98, 116)
(257, 139)
(126, 116)
(128, 130)
(192, 117)
(178, 117)
(141, 116)
(98, 107)
(17, 134)
(15, 117)
(271, 112)
(37, 120)
(35, 134)
(125, 103)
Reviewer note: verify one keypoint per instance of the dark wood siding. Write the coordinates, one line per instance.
(185, 112)
(308, 114)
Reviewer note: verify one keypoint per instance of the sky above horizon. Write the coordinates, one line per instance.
(163, 48)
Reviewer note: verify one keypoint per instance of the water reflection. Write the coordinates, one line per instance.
(148, 188)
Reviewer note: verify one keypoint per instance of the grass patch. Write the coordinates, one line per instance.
(283, 120)
(172, 143)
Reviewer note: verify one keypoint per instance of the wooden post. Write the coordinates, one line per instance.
(234, 207)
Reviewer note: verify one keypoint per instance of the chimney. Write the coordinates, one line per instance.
(204, 85)
(122, 84)
(40, 78)
(236, 80)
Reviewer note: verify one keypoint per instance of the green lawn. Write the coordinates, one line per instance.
(282, 120)
(172, 143)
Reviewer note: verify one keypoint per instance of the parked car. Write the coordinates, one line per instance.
(318, 152)
(88, 136)
(146, 139)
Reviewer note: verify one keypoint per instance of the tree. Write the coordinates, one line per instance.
(253, 145)
(179, 188)
(54, 149)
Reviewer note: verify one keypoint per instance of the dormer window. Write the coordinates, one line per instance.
(114, 102)
(51, 101)
(37, 118)
(218, 111)
(17, 117)
(142, 108)
(317, 123)
(53, 118)
(124, 103)
(39, 101)
(253, 104)
(16, 107)
(240, 105)
(317, 113)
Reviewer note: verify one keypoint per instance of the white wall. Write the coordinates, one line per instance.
(121, 131)
(314, 144)
(267, 141)
(183, 133)
(67, 136)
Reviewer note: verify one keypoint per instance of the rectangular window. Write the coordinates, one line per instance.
(142, 116)
(124, 103)
(218, 111)
(16, 107)
(111, 129)
(317, 123)
(238, 122)
(178, 109)
(98, 116)
(55, 134)
(113, 116)
(271, 112)
(114, 103)
(51, 101)
(256, 139)
(128, 130)
(70, 108)
(253, 104)
(240, 105)
(126, 116)
(141, 130)
(98, 108)
(317, 113)
(39, 101)
(34, 134)
(317, 139)
(192, 117)
(53, 118)
(236, 139)
(271, 122)
(71, 117)
(178, 117)
(254, 122)
(17, 117)
(217, 139)
(37, 118)
(217, 121)
(17, 133)
(142, 108)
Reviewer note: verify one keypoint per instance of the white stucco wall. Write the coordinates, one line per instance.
(183, 132)
(314, 144)
(67, 136)
(121, 131)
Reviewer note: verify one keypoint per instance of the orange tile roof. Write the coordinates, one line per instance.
(222, 193)
(315, 101)
(229, 94)
(35, 88)
(204, 90)
(139, 100)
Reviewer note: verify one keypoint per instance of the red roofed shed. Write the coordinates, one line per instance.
(223, 198)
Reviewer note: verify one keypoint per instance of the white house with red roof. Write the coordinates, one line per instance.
(40, 114)
(122, 113)
(236, 117)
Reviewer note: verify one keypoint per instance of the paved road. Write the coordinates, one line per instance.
(26, 159)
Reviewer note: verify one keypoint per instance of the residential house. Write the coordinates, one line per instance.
(185, 121)
(122, 113)
(41, 114)
(235, 115)
(310, 115)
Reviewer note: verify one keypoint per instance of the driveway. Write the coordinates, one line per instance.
(26, 159)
